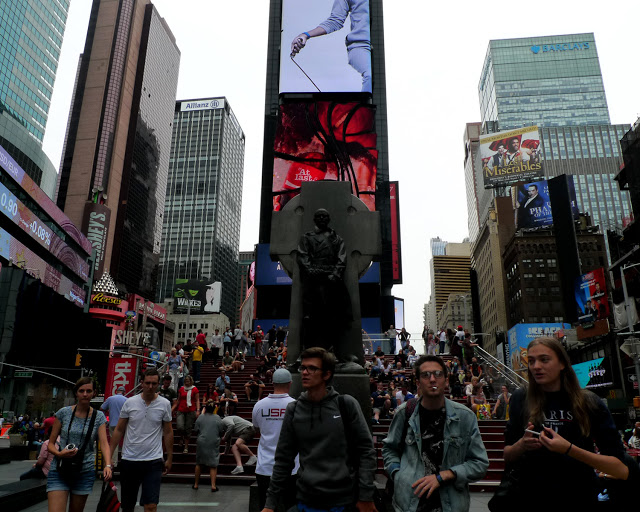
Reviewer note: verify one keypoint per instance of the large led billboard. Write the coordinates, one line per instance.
(511, 156)
(532, 205)
(396, 257)
(592, 301)
(325, 140)
(325, 46)
(199, 297)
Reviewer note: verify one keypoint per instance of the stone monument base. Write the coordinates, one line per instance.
(356, 385)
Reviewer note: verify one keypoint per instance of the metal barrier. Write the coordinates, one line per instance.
(509, 376)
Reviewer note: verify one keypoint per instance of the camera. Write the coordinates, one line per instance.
(70, 446)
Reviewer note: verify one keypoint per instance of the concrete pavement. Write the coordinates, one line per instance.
(181, 497)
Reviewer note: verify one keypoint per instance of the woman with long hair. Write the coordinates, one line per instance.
(502, 403)
(553, 425)
(78, 427)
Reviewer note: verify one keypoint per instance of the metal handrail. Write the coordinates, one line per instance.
(510, 375)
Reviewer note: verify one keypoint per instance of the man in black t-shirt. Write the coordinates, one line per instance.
(254, 388)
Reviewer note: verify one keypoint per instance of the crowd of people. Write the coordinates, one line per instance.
(317, 453)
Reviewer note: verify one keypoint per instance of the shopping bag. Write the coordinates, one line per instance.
(109, 498)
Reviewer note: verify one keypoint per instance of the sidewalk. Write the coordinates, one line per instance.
(181, 497)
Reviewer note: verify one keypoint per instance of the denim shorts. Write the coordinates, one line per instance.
(81, 484)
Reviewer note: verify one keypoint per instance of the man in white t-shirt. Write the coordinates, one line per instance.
(145, 418)
(267, 417)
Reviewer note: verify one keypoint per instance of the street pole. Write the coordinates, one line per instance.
(633, 339)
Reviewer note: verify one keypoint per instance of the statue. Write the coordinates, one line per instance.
(325, 265)
(326, 306)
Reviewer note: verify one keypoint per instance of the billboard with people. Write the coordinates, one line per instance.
(511, 156)
(592, 301)
(532, 205)
(325, 140)
(325, 46)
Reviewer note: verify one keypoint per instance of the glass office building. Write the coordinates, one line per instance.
(549, 81)
(31, 33)
(554, 82)
(201, 229)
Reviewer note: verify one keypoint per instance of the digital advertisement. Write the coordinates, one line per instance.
(510, 157)
(532, 206)
(325, 141)
(325, 46)
(593, 374)
(592, 300)
(201, 296)
(520, 335)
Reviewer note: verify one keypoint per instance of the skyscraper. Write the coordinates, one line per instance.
(116, 158)
(553, 82)
(548, 81)
(201, 230)
(31, 35)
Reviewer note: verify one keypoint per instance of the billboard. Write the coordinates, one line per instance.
(592, 300)
(325, 46)
(396, 258)
(121, 372)
(43, 200)
(532, 205)
(96, 224)
(16, 252)
(593, 374)
(511, 156)
(325, 140)
(520, 335)
(201, 296)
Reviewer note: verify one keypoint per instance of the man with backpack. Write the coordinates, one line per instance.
(438, 444)
(325, 424)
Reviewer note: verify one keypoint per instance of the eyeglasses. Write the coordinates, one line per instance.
(310, 369)
(427, 375)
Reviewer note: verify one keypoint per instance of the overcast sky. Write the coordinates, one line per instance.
(434, 56)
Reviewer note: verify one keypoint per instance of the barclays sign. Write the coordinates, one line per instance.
(209, 104)
(562, 47)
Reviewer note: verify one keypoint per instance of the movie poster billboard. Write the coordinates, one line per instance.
(325, 46)
(511, 156)
(520, 335)
(325, 140)
(201, 296)
(592, 301)
(532, 205)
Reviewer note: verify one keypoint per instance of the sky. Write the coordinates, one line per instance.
(434, 56)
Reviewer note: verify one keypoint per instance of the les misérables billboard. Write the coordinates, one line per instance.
(325, 140)
(532, 205)
(325, 46)
(511, 156)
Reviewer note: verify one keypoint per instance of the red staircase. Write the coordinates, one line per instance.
(183, 468)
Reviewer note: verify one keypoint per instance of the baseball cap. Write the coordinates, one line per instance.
(120, 388)
(281, 376)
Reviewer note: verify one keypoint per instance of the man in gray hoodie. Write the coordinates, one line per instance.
(336, 466)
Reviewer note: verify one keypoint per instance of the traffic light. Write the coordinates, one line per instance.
(78, 359)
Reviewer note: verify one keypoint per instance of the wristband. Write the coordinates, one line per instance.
(307, 34)
(439, 479)
(108, 466)
(569, 449)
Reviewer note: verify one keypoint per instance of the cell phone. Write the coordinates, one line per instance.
(532, 432)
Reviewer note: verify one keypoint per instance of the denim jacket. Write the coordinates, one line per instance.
(464, 453)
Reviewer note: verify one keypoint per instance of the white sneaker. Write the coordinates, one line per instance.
(237, 470)
(252, 460)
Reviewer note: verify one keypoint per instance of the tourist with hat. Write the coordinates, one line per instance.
(267, 418)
